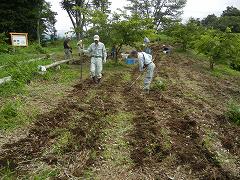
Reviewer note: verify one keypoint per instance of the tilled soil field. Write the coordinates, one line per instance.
(108, 132)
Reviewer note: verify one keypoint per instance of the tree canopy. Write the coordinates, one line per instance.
(23, 16)
(159, 10)
(230, 18)
(79, 11)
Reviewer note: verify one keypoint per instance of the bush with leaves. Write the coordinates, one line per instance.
(159, 84)
(219, 47)
(4, 47)
(121, 29)
(233, 112)
(185, 34)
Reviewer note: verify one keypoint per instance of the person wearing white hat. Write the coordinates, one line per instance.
(147, 49)
(98, 54)
(145, 62)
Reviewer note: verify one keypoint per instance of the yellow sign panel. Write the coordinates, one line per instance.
(19, 39)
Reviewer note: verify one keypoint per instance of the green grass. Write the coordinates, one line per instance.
(21, 75)
(62, 143)
(220, 70)
(13, 115)
(115, 66)
(65, 75)
(116, 150)
(45, 174)
(7, 174)
(224, 70)
(127, 77)
(21, 54)
(42, 173)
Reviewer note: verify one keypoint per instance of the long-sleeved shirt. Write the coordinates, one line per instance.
(97, 50)
(144, 59)
(66, 45)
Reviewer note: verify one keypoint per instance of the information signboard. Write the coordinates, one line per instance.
(19, 39)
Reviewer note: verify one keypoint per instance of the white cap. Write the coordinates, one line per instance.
(96, 38)
(79, 42)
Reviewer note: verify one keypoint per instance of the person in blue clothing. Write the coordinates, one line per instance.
(145, 62)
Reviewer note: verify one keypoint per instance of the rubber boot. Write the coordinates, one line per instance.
(98, 80)
(146, 91)
(94, 79)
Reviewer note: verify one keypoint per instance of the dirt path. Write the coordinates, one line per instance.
(105, 132)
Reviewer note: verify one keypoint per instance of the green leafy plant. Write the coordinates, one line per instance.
(4, 46)
(233, 112)
(184, 35)
(159, 84)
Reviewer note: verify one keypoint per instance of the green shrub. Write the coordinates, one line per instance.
(39, 49)
(233, 112)
(4, 46)
(235, 65)
(159, 84)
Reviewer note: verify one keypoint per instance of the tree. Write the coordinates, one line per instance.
(130, 31)
(159, 10)
(209, 44)
(231, 11)
(210, 21)
(101, 5)
(233, 22)
(24, 16)
(219, 46)
(185, 34)
(48, 20)
(80, 10)
(230, 18)
(120, 29)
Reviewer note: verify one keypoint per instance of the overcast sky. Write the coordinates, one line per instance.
(194, 8)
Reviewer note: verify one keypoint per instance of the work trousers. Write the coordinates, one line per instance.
(96, 67)
(149, 76)
(68, 54)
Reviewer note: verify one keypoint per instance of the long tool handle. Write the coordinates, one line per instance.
(81, 64)
(135, 81)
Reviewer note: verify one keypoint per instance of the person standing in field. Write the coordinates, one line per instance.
(67, 48)
(98, 55)
(147, 49)
(145, 62)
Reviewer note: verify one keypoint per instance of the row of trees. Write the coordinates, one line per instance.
(229, 18)
(32, 16)
(85, 13)
(218, 40)
(218, 45)
(127, 26)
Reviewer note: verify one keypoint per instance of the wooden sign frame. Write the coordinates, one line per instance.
(19, 34)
